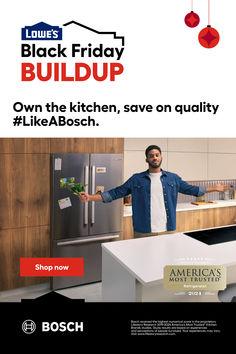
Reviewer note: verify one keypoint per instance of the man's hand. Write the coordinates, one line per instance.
(219, 187)
(84, 197)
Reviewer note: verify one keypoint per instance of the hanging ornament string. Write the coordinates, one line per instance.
(209, 36)
(209, 13)
(192, 19)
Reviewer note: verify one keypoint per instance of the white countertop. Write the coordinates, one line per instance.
(216, 204)
(189, 206)
(146, 257)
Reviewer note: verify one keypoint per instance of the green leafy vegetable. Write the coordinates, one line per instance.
(76, 188)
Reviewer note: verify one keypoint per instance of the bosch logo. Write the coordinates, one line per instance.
(28, 326)
(62, 326)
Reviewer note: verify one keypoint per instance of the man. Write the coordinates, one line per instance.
(154, 196)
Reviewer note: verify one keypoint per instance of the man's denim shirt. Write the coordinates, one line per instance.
(139, 186)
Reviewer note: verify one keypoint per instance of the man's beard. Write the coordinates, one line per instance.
(155, 166)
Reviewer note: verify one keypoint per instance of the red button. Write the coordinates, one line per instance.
(47, 267)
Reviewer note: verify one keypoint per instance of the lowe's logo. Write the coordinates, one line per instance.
(41, 32)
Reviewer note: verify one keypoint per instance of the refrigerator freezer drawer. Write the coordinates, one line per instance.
(87, 248)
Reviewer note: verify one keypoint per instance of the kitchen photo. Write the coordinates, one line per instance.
(128, 207)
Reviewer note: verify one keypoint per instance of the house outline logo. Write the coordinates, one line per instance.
(122, 38)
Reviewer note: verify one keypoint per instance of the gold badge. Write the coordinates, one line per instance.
(195, 277)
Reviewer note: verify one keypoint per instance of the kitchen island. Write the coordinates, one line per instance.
(132, 270)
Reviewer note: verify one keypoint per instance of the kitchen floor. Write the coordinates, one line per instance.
(90, 292)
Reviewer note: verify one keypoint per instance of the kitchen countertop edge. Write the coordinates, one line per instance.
(190, 207)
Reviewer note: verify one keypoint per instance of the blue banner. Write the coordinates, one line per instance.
(41, 32)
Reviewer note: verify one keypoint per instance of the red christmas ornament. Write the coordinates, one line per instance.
(209, 37)
(192, 19)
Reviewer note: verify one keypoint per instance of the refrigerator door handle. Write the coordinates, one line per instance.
(86, 240)
(93, 192)
(86, 181)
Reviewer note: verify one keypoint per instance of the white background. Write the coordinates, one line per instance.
(163, 60)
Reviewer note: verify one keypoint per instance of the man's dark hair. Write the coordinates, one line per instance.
(151, 147)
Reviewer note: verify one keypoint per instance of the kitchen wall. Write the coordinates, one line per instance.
(25, 198)
(191, 158)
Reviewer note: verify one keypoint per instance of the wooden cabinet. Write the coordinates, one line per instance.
(87, 145)
(192, 220)
(17, 243)
(205, 218)
(25, 190)
(24, 146)
(128, 231)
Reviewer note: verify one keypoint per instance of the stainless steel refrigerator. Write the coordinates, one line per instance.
(78, 229)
